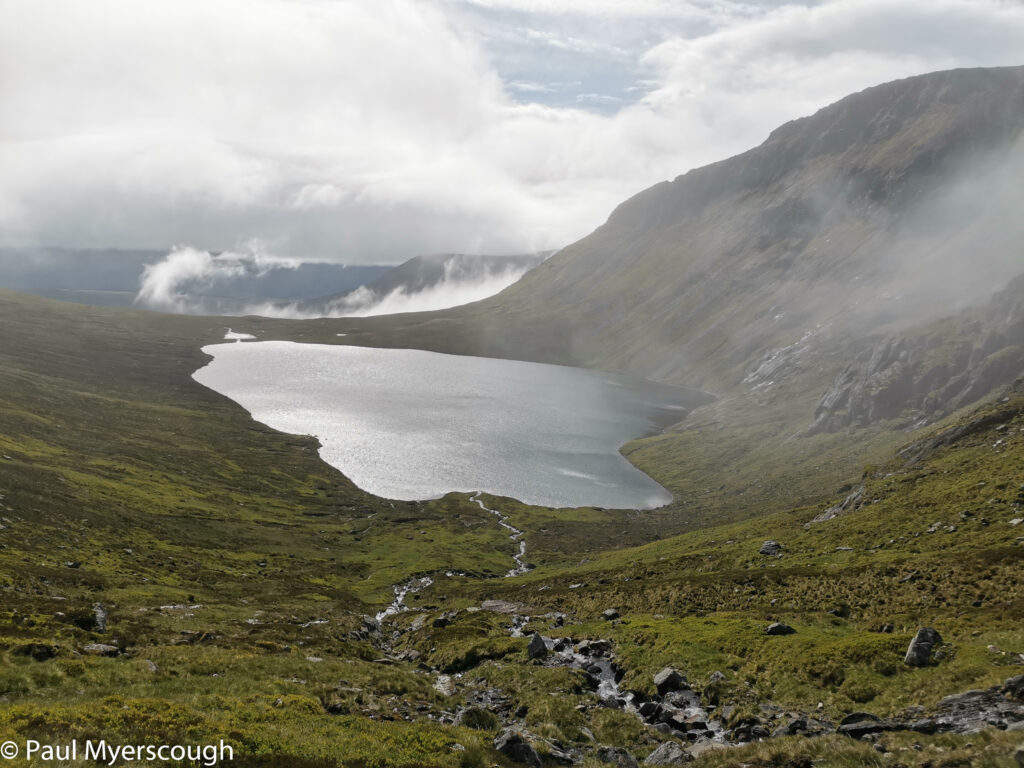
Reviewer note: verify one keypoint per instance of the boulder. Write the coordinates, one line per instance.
(610, 614)
(616, 756)
(778, 628)
(667, 680)
(1014, 687)
(669, 753)
(445, 685)
(919, 652)
(537, 648)
(701, 748)
(771, 548)
(515, 745)
(594, 647)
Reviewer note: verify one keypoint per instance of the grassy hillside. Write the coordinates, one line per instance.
(236, 567)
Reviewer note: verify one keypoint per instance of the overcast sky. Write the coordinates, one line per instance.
(377, 130)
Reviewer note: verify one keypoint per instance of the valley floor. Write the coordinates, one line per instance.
(172, 572)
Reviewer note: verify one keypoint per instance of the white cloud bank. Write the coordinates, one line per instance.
(370, 132)
(185, 280)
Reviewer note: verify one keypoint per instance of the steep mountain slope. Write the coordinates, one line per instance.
(890, 207)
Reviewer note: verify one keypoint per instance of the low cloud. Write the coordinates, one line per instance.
(369, 132)
(177, 283)
(192, 281)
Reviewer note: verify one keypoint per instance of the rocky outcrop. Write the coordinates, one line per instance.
(922, 377)
(770, 548)
(515, 745)
(669, 753)
(919, 652)
(536, 648)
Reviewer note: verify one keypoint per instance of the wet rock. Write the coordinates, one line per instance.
(594, 647)
(919, 651)
(100, 649)
(778, 628)
(616, 756)
(537, 648)
(770, 548)
(667, 680)
(610, 614)
(101, 617)
(649, 711)
(668, 753)
(515, 745)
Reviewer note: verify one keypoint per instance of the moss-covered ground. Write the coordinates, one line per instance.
(236, 569)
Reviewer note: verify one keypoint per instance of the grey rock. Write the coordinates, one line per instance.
(1014, 687)
(537, 648)
(669, 753)
(152, 667)
(919, 651)
(859, 717)
(445, 685)
(515, 745)
(667, 680)
(863, 728)
(1019, 756)
(703, 747)
(716, 677)
(770, 548)
(610, 614)
(649, 710)
(101, 617)
(594, 647)
(778, 628)
(616, 756)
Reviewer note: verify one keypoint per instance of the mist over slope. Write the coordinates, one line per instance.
(886, 210)
(425, 283)
(190, 281)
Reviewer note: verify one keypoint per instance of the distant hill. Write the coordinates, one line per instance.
(111, 277)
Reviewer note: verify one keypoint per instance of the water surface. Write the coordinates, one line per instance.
(408, 424)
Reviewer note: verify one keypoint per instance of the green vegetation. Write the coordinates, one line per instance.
(236, 567)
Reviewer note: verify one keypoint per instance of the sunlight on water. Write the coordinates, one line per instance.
(407, 424)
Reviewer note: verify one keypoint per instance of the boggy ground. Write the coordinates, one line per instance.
(235, 570)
